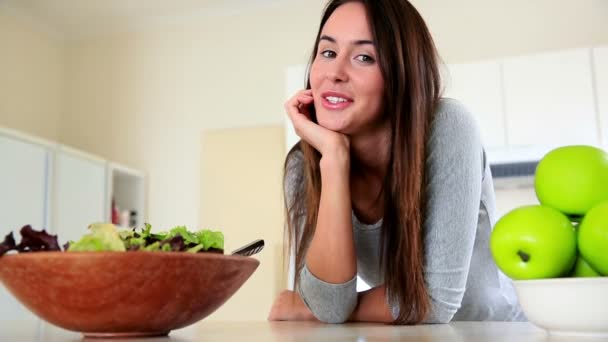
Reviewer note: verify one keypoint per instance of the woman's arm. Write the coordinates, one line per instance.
(331, 254)
(454, 176)
(372, 307)
(328, 279)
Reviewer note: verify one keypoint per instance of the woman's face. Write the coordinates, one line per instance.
(345, 76)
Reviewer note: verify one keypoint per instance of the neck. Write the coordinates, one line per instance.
(370, 152)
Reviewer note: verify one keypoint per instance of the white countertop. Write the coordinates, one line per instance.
(308, 331)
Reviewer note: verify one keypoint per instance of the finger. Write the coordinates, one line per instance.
(310, 132)
(299, 105)
(302, 95)
(300, 98)
(304, 105)
(299, 114)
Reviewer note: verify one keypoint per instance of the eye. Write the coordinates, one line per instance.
(328, 54)
(365, 59)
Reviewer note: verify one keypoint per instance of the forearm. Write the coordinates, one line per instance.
(372, 307)
(331, 255)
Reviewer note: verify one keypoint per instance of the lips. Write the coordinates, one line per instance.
(335, 101)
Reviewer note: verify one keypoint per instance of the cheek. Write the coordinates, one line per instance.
(315, 76)
(376, 86)
(374, 91)
(378, 90)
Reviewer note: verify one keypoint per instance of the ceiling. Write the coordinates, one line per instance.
(78, 18)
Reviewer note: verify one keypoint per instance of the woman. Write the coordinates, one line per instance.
(389, 182)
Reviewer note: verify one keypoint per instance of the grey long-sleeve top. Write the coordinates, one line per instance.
(462, 279)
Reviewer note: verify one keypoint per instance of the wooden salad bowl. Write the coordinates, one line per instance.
(120, 294)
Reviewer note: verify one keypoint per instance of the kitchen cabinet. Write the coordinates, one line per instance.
(60, 189)
(23, 184)
(479, 87)
(549, 99)
(23, 180)
(600, 65)
(126, 188)
(79, 193)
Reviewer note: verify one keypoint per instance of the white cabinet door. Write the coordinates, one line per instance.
(22, 201)
(600, 57)
(79, 192)
(549, 99)
(23, 184)
(479, 87)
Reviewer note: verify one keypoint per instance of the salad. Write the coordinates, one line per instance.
(106, 237)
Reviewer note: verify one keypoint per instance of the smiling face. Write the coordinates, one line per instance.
(345, 76)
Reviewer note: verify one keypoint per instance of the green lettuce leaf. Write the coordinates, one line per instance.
(189, 238)
(103, 237)
(210, 239)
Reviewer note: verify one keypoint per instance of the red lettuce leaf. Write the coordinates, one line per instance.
(176, 243)
(34, 241)
(8, 244)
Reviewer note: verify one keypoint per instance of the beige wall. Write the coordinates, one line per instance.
(241, 195)
(31, 77)
(143, 98)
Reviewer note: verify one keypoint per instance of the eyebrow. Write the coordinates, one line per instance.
(355, 42)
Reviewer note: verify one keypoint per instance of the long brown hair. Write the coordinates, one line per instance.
(409, 64)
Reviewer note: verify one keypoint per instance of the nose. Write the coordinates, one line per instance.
(337, 70)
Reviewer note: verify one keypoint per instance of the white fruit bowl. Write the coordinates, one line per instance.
(574, 306)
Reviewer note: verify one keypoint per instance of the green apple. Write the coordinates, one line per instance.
(593, 238)
(583, 269)
(572, 179)
(534, 242)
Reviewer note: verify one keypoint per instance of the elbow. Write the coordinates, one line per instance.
(444, 308)
(441, 319)
(440, 316)
(334, 315)
(328, 311)
(329, 303)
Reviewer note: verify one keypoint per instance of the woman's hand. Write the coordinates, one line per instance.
(329, 143)
(290, 307)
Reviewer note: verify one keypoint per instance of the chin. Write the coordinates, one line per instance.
(336, 124)
(333, 126)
